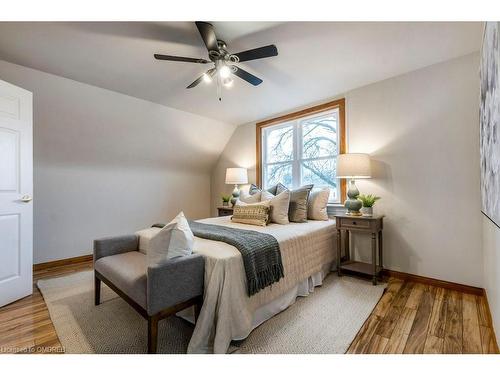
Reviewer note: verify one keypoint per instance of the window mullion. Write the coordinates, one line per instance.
(296, 155)
(263, 156)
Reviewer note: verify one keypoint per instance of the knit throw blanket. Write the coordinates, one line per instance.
(260, 251)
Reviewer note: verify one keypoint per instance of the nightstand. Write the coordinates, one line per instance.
(360, 224)
(225, 211)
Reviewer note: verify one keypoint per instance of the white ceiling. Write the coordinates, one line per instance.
(316, 61)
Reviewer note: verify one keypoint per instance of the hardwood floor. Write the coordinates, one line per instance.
(423, 319)
(409, 318)
(25, 325)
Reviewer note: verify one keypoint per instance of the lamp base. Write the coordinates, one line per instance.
(236, 194)
(353, 204)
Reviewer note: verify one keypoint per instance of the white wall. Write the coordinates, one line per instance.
(422, 132)
(421, 129)
(239, 151)
(107, 163)
(491, 260)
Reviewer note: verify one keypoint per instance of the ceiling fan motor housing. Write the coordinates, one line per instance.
(222, 53)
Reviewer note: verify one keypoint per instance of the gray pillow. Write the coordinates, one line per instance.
(297, 211)
(254, 189)
(280, 188)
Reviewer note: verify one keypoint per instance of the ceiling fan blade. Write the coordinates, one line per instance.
(208, 35)
(195, 83)
(209, 72)
(258, 53)
(243, 74)
(180, 58)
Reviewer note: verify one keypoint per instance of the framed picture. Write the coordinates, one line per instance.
(489, 123)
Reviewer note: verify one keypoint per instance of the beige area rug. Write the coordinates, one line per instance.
(324, 322)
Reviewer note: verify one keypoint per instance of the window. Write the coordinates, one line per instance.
(302, 148)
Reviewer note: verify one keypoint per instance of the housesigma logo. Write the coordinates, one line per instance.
(31, 350)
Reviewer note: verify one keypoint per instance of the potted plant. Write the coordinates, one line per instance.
(368, 202)
(225, 199)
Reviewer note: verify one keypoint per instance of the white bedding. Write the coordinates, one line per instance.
(307, 250)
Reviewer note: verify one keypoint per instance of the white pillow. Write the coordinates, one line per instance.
(316, 205)
(174, 240)
(247, 198)
(279, 205)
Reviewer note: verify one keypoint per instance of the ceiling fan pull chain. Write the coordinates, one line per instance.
(219, 90)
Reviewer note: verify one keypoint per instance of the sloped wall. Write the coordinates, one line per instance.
(108, 164)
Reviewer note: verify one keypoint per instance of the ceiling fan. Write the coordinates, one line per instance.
(223, 61)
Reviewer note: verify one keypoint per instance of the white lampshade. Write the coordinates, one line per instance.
(353, 166)
(236, 176)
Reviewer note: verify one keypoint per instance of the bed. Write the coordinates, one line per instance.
(228, 313)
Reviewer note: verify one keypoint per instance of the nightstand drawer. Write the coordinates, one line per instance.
(225, 211)
(355, 223)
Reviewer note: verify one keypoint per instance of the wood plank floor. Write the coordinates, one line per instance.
(409, 318)
(25, 325)
(423, 319)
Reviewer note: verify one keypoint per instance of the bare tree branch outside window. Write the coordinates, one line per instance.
(316, 155)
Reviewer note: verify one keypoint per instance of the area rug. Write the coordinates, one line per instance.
(326, 321)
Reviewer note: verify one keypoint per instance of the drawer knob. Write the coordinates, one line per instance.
(353, 223)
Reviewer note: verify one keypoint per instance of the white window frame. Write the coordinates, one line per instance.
(297, 148)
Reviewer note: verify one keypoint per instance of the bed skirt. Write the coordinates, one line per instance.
(302, 289)
(270, 309)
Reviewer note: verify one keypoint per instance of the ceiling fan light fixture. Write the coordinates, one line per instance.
(224, 71)
(227, 82)
(207, 78)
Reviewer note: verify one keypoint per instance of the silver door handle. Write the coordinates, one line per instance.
(26, 198)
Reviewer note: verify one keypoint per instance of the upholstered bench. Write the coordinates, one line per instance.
(155, 292)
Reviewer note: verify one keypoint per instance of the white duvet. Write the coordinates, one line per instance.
(227, 313)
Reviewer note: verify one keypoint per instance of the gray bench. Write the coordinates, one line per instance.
(155, 292)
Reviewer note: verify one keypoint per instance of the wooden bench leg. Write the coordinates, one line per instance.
(197, 309)
(97, 291)
(152, 334)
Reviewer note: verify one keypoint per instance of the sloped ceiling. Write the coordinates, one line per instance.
(317, 60)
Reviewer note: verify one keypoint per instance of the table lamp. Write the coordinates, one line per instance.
(236, 176)
(353, 166)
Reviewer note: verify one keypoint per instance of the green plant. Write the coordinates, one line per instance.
(225, 198)
(368, 200)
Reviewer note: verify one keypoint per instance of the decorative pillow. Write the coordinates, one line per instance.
(279, 206)
(316, 205)
(297, 211)
(174, 240)
(249, 198)
(281, 188)
(254, 189)
(253, 214)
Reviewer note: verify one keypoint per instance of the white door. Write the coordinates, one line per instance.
(16, 191)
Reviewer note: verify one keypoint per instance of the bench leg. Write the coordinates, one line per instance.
(197, 309)
(97, 291)
(152, 334)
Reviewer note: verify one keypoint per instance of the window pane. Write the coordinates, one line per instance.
(278, 173)
(319, 136)
(321, 173)
(279, 145)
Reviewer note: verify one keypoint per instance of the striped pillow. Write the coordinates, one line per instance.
(253, 214)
